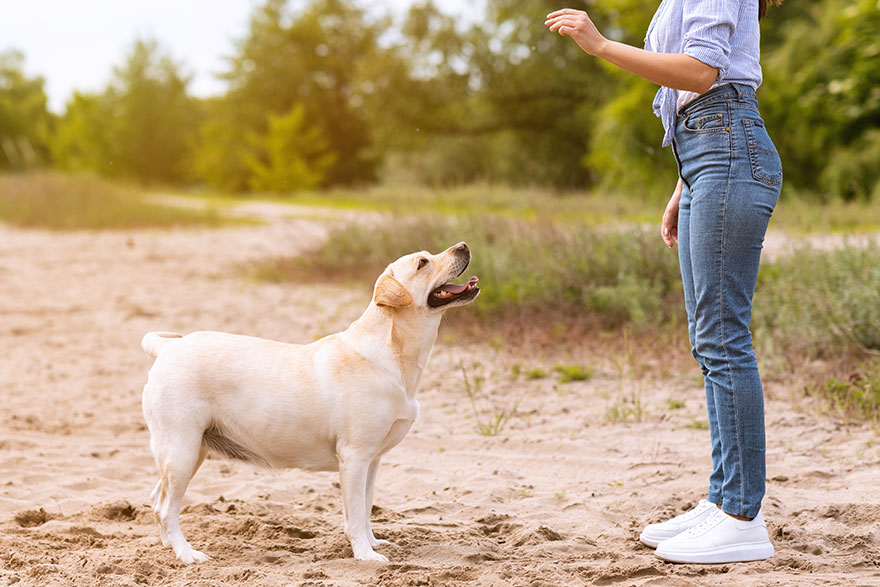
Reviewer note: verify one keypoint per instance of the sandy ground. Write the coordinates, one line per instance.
(558, 497)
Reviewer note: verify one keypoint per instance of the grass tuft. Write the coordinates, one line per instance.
(497, 417)
(856, 398)
(569, 373)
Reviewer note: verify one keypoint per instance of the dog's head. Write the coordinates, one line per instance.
(423, 281)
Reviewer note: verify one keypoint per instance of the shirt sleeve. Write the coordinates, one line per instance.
(708, 27)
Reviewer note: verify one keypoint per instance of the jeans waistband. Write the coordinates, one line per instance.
(723, 93)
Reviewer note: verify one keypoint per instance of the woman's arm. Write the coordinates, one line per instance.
(673, 70)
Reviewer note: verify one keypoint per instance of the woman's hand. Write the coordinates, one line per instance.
(669, 225)
(577, 25)
(673, 70)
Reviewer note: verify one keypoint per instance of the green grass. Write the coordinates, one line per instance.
(858, 397)
(591, 208)
(569, 373)
(812, 305)
(613, 276)
(809, 215)
(820, 304)
(549, 274)
(489, 421)
(796, 213)
(536, 373)
(68, 202)
(696, 424)
(675, 404)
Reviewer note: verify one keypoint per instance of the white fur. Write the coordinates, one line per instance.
(337, 404)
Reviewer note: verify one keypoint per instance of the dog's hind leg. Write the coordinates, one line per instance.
(371, 483)
(178, 467)
(353, 473)
(156, 498)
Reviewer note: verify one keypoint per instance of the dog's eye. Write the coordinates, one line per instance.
(422, 263)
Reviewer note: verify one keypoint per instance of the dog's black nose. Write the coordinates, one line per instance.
(461, 247)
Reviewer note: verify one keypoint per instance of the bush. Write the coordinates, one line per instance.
(820, 304)
(852, 172)
(857, 398)
(612, 277)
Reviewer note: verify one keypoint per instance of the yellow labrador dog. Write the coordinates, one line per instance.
(337, 404)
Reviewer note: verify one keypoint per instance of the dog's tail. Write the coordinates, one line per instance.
(153, 342)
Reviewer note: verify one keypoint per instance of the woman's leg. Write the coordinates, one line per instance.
(716, 478)
(728, 221)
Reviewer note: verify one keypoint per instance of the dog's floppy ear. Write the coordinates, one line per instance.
(390, 292)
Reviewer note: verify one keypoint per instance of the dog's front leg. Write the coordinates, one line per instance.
(353, 472)
(371, 483)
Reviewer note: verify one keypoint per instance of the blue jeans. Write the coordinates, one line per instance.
(731, 176)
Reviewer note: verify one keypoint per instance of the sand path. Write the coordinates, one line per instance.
(557, 498)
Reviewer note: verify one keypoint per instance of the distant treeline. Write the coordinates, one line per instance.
(323, 93)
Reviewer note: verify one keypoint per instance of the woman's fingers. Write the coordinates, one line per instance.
(669, 224)
(563, 23)
(564, 11)
(577, 25)
(669, 235)
(566, 17)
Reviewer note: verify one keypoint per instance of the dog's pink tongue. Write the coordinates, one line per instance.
(457, 288)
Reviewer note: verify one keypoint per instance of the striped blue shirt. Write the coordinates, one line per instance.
(720, 33)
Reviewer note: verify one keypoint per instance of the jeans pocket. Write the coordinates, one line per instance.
(713, 118)
(766, 165)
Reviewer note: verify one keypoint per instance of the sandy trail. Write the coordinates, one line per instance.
(557, 498)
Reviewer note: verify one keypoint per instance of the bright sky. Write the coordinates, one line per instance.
(74, 44)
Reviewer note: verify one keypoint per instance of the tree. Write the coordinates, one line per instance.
(83, 138)
(289, 156)
(502, 100)
(141, 126)
(25, 121)
(311, 58)
(822, 93)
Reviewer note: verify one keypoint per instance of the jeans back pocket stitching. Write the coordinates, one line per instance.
(766, 179)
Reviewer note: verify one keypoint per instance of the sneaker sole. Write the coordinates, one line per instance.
(740, 553)
(648, 542)
(653, 541)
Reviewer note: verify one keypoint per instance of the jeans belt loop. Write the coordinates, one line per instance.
(740, 97)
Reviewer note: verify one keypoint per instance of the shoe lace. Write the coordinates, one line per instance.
(708, 522)
(701, 507)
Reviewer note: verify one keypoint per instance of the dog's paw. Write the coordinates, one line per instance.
(371, 556)
(192, 556)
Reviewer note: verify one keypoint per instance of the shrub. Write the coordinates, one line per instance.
(820, 304)
(857, 398)
(614, 277)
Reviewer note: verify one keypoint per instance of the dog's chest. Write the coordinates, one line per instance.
(398, 430)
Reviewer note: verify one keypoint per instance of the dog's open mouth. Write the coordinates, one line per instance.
(450, 292)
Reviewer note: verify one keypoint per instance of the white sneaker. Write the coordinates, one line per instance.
(719, 539)
(653, 534)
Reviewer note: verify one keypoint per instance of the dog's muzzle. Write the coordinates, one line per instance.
(449, 292)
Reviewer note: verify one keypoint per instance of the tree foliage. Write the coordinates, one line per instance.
(140, 126)
(310, 58)
(822, 93)
(24, 120)
(289, 156)
(324, 93)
